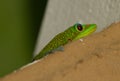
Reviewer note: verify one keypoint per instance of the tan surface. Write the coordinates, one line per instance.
(96, 58)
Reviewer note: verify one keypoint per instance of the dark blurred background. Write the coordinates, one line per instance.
(20, 21)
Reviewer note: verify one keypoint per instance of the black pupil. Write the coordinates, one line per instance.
(79, 26)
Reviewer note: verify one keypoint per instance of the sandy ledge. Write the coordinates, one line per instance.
(96, 58)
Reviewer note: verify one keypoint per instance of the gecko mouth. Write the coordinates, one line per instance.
(90, 28)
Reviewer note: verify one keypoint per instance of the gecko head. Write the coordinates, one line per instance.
(84, 29)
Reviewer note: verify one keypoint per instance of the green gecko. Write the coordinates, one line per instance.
(73, 33)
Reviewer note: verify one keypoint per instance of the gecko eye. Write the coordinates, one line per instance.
(79, 27)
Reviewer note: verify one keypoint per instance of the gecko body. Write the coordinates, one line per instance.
(73, 33)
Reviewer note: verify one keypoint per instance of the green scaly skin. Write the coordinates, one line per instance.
(73, 33)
